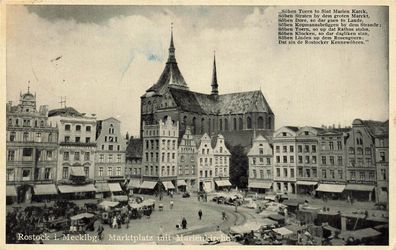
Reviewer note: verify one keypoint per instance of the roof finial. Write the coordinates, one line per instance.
(171, 47)
(29, 87)
(214, 84)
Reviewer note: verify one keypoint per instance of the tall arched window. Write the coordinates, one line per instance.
(226, 124)
(260, 122)
(220, 124)
(235, 123)
(209, 126)
(184, 122)
(240, 123)
(269, 126)
(202, 125)
(194, 125)
(249, 123)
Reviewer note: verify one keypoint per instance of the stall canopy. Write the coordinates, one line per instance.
(223, 183)
(282, 231)
(82, 216)
(45, 189)
(102, 187)
(257, 184)
(359, 187)
(293, 203)
(181, 183)
(266, 213)
(115, 187)
(134, 183)
(330, 188)
(76, 189)
(168, 185)
(267, 222)
(148, 184)
(307, 183)
(109, 203)
(246, 228)
(77, 171)
(11, 191)
(360, 234)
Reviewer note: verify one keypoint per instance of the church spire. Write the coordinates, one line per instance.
(171, 58)
(214, 84)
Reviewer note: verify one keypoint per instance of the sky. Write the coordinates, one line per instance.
(104, 58)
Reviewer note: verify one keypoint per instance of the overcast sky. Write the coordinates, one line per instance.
(111, 54)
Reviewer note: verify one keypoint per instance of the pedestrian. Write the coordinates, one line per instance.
(127, 221)
(115, 222)
(161, 231)
(223, 215)
(184, 223)
(200, 214)
(171, 204)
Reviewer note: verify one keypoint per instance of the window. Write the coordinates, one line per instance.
(324, 173)
(284, 159)
(382, 156)
(353, 175)
(339, 145)
(359, 151)
(11, 155)
(67, 138)
(332, 174)
(332, 160)
(76, 156)
(101, 158)
(383, 174)
(277, 149)
(277, 159)
(77, 139)
(260, 122)
(314, 159)
(291, 159)
(87, 139)
(339, 160)
(307, 159)
(78, 127)
(362, 175)
(65, 156)
(261, 174)
(331, 145)
(27, 152)
(351, 150)
(340, 174)
(323, 160)
(254, 174)
(268, 161)
(118, 171)
(38, 137)
(284, 149)
(308, 172)
(313, 148)
(314, 172)
(285, 172)
(291, 149)
(25, 136)
(49, 155)
(291, 173)
(86, 156)
(249, 122)
(88, 128)
(67, 127)
(110, 158)
(277, 172)
(299, 148)
(47, 173)
(300, 171)
(10, 175)
(65, 172)
(261, 151)
(12, 136)
(284, 134)
(100, 171)
(110, 147)
(306, 149)
(110, 171)
(367, 151)
(371, 175)
(352, 162)
(300, 159)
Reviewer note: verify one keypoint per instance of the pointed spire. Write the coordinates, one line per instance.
(214, 84)
(171, 58)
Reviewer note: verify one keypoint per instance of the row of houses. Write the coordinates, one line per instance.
(331, 162)
(65, 151)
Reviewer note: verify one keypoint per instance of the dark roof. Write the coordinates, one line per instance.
(332, 131)
(69, 111)
(170, 76)
(377, 128)
(235, 103)
(293, 128)
(134, 148)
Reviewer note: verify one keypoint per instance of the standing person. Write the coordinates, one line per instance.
(171, 204)
(223, 215)
(161, 231)
(200, 214)
(184, 223)
(115, 222)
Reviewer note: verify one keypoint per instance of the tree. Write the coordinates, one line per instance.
(238, 166)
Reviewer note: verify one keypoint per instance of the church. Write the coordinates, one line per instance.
(238, 116)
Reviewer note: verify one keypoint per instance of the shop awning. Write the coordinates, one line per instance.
(331, 188)
(307, 183)
(102, 187)
(168, 185)
(258, 184)
(45, 189)
(82, 216)
(11, 191)
(282, 231)
(223, 183)
(76, 189)
(134, 183)
(181, 183)
(77, 171)
(148, 184)
(115, 187)
(108, 203)
(359, 187)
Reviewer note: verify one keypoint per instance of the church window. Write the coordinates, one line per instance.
(260, 122)
(240, 124)
(202, 125)
(194, 124)
(235, 124)
(220, 124)
(249, 123)
(269, 125)
(184, 122)
(226, 124)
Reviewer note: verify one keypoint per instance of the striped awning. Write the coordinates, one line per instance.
(45, 189)
(168, 185)
(148, 184)
(258, 184)
(181, 183)
(77, 171)
(11, 191)
(134, 183)
(331, 188)
(76, 189)
(102, 187)
(307, 183)
(115, 187)
(223, 183)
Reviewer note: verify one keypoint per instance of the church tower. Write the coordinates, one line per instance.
(215, 86)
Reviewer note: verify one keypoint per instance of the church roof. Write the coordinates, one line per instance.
(170, 76)
(235, 103)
